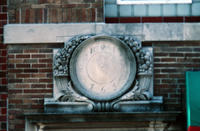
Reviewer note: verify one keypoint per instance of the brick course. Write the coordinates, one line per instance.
(29, 85)
(55, 11)
(31, 81)
(171, 60)
(145, 19)
(3, 68)
(30, 66)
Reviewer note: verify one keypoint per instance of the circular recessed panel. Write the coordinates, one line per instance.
(102, 68)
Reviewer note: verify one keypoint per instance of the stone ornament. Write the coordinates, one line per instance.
(103, 71)
(102, 68)
(62, 57)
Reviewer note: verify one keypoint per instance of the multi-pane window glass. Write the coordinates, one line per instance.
(152, 1)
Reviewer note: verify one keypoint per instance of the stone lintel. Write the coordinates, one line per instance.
(55, 33)
(103, 117)
(101, 120)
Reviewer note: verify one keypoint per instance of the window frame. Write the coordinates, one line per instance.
(127, 2)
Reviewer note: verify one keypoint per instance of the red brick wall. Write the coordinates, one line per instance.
(3, 68)
(171, 60)
(30, 76)
(30, 66)
(29, 80)
(55, 11)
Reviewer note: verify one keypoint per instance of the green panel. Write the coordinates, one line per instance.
(193, 98)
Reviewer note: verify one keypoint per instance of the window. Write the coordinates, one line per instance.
(152, 1)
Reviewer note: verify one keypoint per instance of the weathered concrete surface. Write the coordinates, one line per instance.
(44, 33)
(191, 31)
(53, 33)
(163, 32)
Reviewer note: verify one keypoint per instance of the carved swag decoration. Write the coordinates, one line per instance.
(140, 90)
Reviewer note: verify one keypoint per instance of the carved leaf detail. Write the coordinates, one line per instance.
(62, 58)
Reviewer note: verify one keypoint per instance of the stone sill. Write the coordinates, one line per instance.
(58, 33)
(102, 121)
(103, 117)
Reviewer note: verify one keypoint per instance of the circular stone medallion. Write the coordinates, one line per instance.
(102, 68)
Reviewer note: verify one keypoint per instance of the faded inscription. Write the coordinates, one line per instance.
(103, 68)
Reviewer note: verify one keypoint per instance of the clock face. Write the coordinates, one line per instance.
(102, 68)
